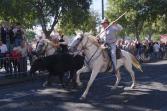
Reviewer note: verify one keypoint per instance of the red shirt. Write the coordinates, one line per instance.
(14, 54)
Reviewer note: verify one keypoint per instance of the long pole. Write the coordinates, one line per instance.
(102, 9)
(112, 23)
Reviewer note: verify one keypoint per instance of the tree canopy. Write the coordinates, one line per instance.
(30, 35)
(88, 25)
(45, 12)
(139, 12)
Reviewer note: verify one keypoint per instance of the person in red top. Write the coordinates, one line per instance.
(16, 60)
(40, 37)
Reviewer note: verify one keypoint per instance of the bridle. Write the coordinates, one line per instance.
(85, 47)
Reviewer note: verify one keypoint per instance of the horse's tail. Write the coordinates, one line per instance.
(135, 62)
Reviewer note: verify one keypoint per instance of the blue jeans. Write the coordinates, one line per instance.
(9, 46)
(18, 41)
(151, 55)
(156, 55)
(162, 55)
(113, 54)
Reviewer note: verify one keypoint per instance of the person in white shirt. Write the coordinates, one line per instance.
(3, 51)
(23, 62)
(156, 50)
(3, 48)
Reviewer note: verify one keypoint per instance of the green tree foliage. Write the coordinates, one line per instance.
(88, 25)
(45, 12)
(30, 35)
(139, 11)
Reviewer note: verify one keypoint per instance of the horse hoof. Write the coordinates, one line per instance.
(82, 98)
(113, 89)
(132, 87)
(80, 85)
(47, 84)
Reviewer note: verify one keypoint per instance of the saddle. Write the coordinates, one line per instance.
(107, 54)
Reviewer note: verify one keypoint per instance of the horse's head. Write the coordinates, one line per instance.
(42, 45)
(78, 42)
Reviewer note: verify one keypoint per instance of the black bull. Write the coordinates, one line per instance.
(58, 64)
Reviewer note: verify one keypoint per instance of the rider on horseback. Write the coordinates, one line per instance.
(109, 36)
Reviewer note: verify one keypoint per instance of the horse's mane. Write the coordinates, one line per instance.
(50, 42)
(92, 40)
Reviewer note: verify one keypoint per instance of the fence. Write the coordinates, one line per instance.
(13, 66)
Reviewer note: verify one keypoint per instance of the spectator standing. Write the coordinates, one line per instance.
(30, 55)
(9, 38)
(3, 51)
(151, 49)
(18, 34)
(23, 61)
(8, 65)
(166, 49)
(39, 38)
(3, 37)
(156, 50)
(16, 60)
(162, 49)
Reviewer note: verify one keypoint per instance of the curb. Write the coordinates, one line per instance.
(9, 81)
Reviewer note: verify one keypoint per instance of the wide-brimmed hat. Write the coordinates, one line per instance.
(59, 30)
(105, 21)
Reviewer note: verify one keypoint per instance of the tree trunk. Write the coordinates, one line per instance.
(149, 37)
(136, 30)
(47, 33)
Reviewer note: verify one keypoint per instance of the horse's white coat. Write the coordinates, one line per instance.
(47, 46)
(99, 65)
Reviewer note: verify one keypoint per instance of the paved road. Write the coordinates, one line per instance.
(150, 93)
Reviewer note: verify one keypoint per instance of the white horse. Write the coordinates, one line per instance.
(97, 62)
(47, 47)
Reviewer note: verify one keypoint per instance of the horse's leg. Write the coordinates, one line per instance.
(48, 83)
(129, 69)
(84, 69)
(119, 64)
(118, 80)
(71, 76)
(92, 77)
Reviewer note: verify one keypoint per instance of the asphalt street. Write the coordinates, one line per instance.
(149, 94)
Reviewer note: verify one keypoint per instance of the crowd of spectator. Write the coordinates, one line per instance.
(13, 51)
(145, 50)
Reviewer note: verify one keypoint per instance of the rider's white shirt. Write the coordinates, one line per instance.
(109, 35)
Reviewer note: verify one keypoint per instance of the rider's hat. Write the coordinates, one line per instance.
(105, 21)
(59, 30)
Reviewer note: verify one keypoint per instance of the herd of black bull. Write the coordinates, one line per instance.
(58, 64)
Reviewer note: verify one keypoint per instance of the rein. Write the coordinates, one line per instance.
(46, 46)
(84, 47)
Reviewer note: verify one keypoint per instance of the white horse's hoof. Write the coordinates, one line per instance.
(80, 84)
(47, 84)
(82, 98)
(132, 87)
(113, 89)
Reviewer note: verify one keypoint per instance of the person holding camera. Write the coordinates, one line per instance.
(18, 34)
(9, 39)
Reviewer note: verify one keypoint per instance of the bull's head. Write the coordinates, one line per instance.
(36, 65)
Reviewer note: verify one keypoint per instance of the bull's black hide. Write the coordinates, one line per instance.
(58, 64)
